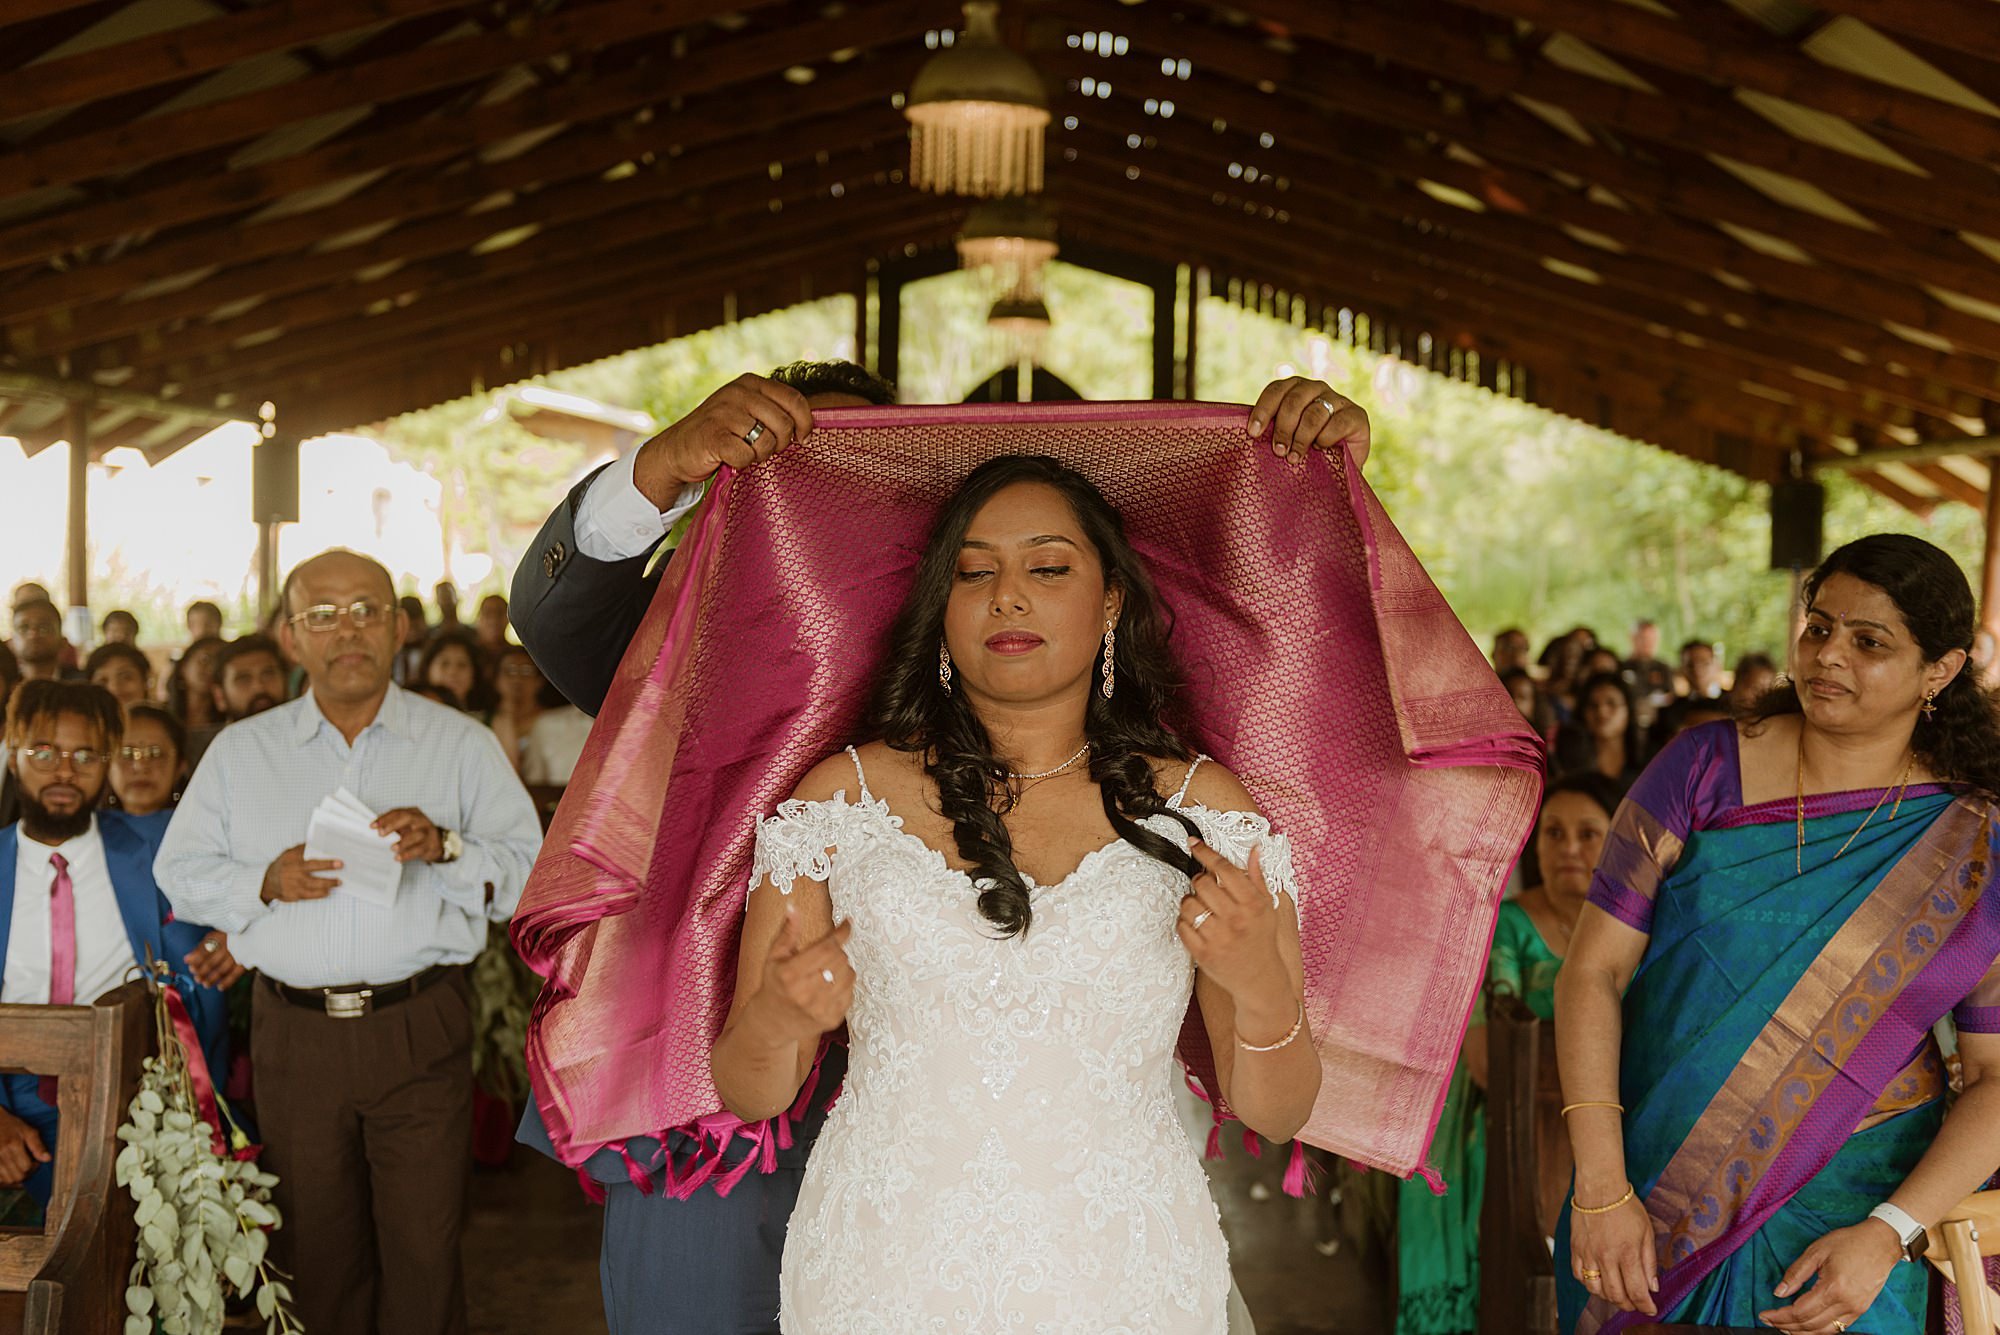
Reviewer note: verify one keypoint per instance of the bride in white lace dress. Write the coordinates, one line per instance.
(1008, 901)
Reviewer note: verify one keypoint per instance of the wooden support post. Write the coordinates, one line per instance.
(1989, 583)
(76, 537)
(1165, 285)
(889, 322)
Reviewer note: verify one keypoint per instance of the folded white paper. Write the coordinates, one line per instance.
(343, 827)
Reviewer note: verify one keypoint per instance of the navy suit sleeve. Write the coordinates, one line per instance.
(575, 614)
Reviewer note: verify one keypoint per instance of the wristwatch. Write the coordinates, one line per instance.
(453, 845)
(1908, 1231)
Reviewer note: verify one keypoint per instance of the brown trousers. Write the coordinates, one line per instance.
(368, 1124)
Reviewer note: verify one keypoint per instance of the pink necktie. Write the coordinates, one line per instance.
(62, 951)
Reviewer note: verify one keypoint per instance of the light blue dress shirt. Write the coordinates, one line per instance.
(253, 795)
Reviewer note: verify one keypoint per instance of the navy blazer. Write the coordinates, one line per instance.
(129, 846)
(575, 614)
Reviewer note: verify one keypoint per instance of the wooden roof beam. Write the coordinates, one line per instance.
(399, 74)
(195, 48)
(530, 280)
(1626, 312)
(1817, 408)
(580, 152)
(1452, 314)
(1533, 244)
(299, 288)
(440, 139)
(1964, 25)
(18, 13)
(1421, 39)
(1300, 113)
(626, 315)
(664, 211)
(1770, 67)
(1524, 198)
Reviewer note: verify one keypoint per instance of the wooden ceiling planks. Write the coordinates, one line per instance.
(1586, 190)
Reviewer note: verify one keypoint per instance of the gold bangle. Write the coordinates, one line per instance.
(1602, 1209)
(1592, 1103)
(1297, 1025)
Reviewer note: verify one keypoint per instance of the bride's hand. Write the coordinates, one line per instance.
(1230, 926)
(1308, 414)
(806, 986)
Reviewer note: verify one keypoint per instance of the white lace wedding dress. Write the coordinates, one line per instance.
(1006, 1155)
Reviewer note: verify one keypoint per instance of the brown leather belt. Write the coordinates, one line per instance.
(351, 1001)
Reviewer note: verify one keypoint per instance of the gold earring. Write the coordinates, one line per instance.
(1110, 650)
(1929, 706)
(944, 666)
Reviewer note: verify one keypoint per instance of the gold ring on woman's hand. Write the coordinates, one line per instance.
(1588, 1275)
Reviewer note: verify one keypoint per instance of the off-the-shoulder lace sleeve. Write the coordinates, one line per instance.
(1234, 833)
(798, 841)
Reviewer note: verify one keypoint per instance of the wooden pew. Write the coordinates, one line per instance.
(69, 1277)
(1517, 1283)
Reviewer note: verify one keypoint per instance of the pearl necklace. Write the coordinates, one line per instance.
(1082, 751)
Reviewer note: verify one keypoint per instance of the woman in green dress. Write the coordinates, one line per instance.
(1438, 1236)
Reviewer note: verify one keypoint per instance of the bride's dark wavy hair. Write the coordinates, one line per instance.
(913, 712)
(1961, 742)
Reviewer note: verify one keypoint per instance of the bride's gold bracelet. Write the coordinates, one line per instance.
(1602, 1209)
(1297, 1025)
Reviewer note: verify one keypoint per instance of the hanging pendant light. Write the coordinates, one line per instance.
(1022, 322)
(977, 111)
(1011, 240)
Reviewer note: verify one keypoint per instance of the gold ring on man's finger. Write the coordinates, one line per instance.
(1588, 1276)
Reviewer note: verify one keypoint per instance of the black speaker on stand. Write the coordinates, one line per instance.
(1797, 508)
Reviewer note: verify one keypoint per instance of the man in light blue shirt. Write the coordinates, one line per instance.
(361, 1030)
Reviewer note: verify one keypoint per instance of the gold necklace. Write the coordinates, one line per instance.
(1902, 784)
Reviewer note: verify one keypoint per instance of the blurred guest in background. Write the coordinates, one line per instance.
(418, 630)
(38, 641)
(452, 660)
(520, 685)
(204, 621)
(1755, 674)
(122, 670)
(1650, 675)
(190, 693)
(1510, 649)
(1700, 670)
(150, 765)
(446, 594)
(1604, 738)
(1528, 698)
(555, 742)
(119, 627)
(491, 627)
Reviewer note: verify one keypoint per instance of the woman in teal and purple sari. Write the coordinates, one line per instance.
(1783, 910)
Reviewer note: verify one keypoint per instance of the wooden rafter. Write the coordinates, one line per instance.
(303, 289)
(441, 139)
(581, 152)
(1964, 25)
(1531, 243)
(637, 242)
(1509, 136)
(1770, 67)
(655, 222)
(195, 48)
(398, 74)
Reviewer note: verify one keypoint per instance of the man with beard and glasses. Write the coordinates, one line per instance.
(361, 1034)
(78, 904)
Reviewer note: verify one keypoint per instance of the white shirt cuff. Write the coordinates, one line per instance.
(616, 522)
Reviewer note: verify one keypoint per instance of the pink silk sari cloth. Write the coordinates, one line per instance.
(1322, 664)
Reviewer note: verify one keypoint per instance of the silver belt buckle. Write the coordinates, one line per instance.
(349, 1005)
